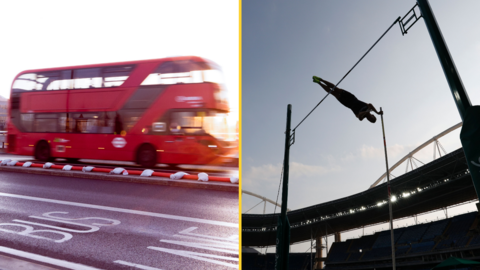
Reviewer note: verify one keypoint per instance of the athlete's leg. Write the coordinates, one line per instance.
(336, 92)
(329, 84)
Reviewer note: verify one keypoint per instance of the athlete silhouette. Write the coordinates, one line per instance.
(359, 108)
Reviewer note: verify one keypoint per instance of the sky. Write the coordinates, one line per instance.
(44, 34)
(285, 43)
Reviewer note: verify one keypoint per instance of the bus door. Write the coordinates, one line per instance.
(101, 131)
(85, 132)
(73, 141)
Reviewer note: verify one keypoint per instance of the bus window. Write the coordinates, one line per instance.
(105, 122)
(183, 71)
(186, 122)
(101, 77)
(87, 78)
(94, 122)
(202, 122)
(116, 75)
(52, 80)
(65, 81)
(25, 82)
(65, 124)
(84, 122)
(27, 121)
(129, 118)
(45, 122)
(44, 79)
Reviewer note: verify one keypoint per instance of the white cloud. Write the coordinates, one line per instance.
(268, 174)
(302, 170)
(393, 151)
(348, 157)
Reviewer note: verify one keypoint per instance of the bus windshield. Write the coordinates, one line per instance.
(201, 122)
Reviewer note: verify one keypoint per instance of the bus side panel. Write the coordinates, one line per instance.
(44, 101)
(98, 99)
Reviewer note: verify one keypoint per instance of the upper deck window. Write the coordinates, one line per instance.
(73, 79)
(184, 71)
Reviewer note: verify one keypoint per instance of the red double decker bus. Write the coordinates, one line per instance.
(170, 111)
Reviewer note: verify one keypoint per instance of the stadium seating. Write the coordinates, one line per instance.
(435, 229)
(338, 251)
(413, 244)
(402, 250)
(355, 256)
(422, 247)
(413, 235)
(423, 239)
(362, 243)
(296, 261)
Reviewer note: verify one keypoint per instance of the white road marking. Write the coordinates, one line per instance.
(113, 221)
(29, 231)
(230, 245)
(198, 256)
(207, 246)
(40, 258)
(233, 238)
(92, 228)
(136, 265)
(123, 210)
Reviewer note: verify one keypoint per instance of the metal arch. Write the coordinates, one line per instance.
(262, 198)
(416, 150)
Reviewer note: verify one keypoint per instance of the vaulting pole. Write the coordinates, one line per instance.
(389, 195)
(283, 227)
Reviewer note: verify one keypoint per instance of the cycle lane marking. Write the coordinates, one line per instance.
(123, 210)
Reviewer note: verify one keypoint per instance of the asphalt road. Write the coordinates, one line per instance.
(71, 223)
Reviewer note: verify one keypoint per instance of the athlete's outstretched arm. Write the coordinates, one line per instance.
(373, 109)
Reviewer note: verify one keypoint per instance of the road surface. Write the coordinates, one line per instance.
(72, 223)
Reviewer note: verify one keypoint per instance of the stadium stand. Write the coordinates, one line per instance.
(416, 247)
(422, 247)
(435, 229)
(413, 235)
(257, 261)
(338, 251)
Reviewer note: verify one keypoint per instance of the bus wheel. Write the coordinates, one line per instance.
(147, 156)
(42, 151)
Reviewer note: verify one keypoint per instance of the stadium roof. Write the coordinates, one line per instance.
(443, 182)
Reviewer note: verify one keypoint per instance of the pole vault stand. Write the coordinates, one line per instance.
(470, 134)
(283, 225)
(470, 138)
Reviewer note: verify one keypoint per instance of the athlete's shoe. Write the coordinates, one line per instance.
(316, 79)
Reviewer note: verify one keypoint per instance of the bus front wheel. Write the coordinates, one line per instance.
(147, 156)
(42, 151)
